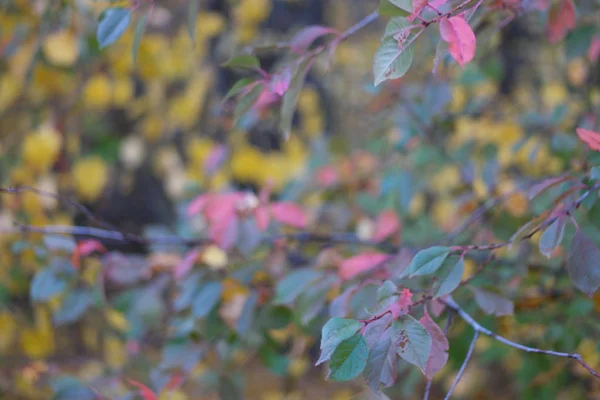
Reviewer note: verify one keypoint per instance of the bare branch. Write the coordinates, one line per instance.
(463, 367)
(468, 319)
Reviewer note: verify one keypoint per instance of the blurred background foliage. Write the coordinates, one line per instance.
(135, 141)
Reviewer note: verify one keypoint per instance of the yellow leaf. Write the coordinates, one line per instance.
(8, 328)
(90, 176)
(37, 344)
(298, 367)
(61, 48)
(214, 257)
(41, 148)
(115, 353)
(117, 320)
(172, 395)
(98, 92)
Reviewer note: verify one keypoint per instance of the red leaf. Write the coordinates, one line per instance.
(594, 49)
(386, 225)
(460, 38)
(85, 248)
(289, 213)
(561, 20)
(439, 346)
(402, 306)
(305, 37)
(175, 381)
(186, 264)
(145, 391)
(592, 139)
(261, 214)
(222, 206)
(327, 176)
(419, 6)
(198, 204)
(358, 264)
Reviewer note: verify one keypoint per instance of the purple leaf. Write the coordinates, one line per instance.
(305, 37)
(491, 303)
(583, 264)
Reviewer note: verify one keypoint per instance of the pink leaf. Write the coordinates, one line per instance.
(281, 81)
(261, 214)
(198, 204)
(419, 6)
(224, 232)
(439, 346)
(145, 391)
(437, 306)
(358, 264)
(460, 38)
(591, 138)
(561, 20)
(222, 206)
(402, 306)
(327, 176)
(186, 264)
(594, 49)
(386, 225)
(289, 213)
(305, 37)
(265, 99)
(85, 248)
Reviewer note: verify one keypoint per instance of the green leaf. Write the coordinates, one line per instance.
(290, 98)
(583, 263)
(193, 8)
(46, 283)
(395, 8)
(395, 26)
(187, 290)
(140, 28)
(382, 362)
(247, 102)
(245, 61)
(452, 280)
(238, 87)
(386, 290)
(207, 298)
(333, 333)
(427, 261)
(290, 287)
(112, 25)
(349, 359)
(552, 237)
(391, 62)
(414, 342)
(595, 173)
(247, 318)
(275, 317)
(73, 306)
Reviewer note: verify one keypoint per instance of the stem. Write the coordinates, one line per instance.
(359, 25)
(464, 365)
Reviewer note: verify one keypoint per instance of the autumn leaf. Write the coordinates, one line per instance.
(145, 391)
(85, 248)
(289, 213)
(358, 264)
(306, 36)
(591, 138)
(561, 20)
(460, 38)
(439, 346)
(386, 225)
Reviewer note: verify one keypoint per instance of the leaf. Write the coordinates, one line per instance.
(85, 248)
(206, 299)
(140, 27)
(386, 225)
(561, 19)
(238, 88)
(419, 5)
(46, 284)
(439, 346)
(302, 40)
(583, 263)
(394, 27)
(192, 15)
(247, 102)
(413, 342)
(183, 267)
(493, 304)
(145, 391)
(358, 264)
(73, 306)
(244, 61)
(246, 319)
(112, 25)
(452, 280)
(387, 290)
(427, 261)
(390, 62)
(591, 138)
(552, 237)
(294, 284)
(544, 185)
(382, 362)
(289, 213)
(290, 98)
(333, 333)
(395, 8)
(349, 359)
(460, 38)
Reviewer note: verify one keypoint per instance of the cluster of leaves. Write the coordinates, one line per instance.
(346, 253)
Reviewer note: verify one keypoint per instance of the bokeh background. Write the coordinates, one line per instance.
(135, 141)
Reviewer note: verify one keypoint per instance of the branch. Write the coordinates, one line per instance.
(463, 366)
(478, 328)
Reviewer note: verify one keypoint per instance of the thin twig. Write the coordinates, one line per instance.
(478, 328)
(464, 365)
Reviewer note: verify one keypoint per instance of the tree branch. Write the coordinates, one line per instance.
(463, 367)
(478, 328)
